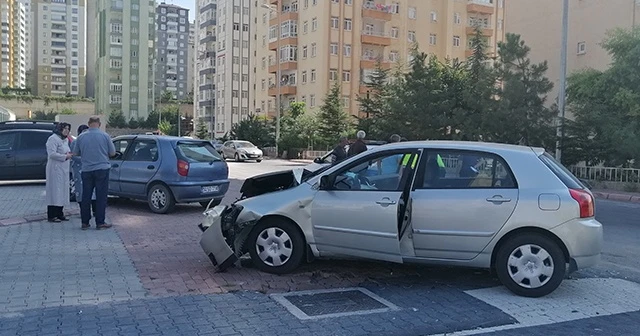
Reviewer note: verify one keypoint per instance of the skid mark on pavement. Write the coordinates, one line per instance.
(573, 300)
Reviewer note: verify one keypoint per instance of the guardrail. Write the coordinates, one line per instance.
(607, 174)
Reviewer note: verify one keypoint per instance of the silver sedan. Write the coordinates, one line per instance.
(509, 208)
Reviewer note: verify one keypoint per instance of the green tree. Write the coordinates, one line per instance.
(44, 115)
(165, 127)
(133, 123)
(333, 119)
(166, 96)
(68, 111)
(255, 130)
(374, 102)
(202, 131)
(298, 130)
(606, 106)
(520, 116)
(116, 119)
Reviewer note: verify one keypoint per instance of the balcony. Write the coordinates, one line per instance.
(369, 62)
(481, 6)
(485, 30)
(284, 66)
(284, 90)
(376, 11)
(375, 38)
(290, 14)
(289, 40)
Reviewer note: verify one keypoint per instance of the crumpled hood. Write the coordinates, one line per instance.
(271, 182)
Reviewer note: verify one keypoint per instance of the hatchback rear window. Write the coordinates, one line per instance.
(561, 172)
(198, 152)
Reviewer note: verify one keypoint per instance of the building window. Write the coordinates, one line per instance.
(334, 22)
(312, 100)
(304, 77)
(500, 23)
(582, 48)
(313, 75)
(346, 101)
(334, 48)
(314, 49)
(412, 13)
(432, 39)
(456, 18)
(394, 32)
(314, 24)
(456, 41)
(348, 24)
(333, 74)
(411, 36)
(305, 27)
(304, 51)
(346, 76)
(434, 16)
(347, 50)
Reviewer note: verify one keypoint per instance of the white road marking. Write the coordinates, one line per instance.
(573, 300)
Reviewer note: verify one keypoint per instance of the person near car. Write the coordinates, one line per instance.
(76, 170)
(358, 146)
(339, 153)
(57, 173)
(94, 148)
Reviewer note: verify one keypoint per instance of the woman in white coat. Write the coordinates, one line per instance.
(58, 154)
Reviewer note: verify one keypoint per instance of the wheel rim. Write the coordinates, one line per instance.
(530, 266)
(158, 198)
(274, 246)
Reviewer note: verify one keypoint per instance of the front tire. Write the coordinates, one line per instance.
(276, 246)
(259, 160)
(530, 265)
(160, 199)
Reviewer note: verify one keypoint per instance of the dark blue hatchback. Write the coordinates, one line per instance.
(167, 170)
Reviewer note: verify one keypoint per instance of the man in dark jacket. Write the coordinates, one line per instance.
(358, 146)
(339, 153)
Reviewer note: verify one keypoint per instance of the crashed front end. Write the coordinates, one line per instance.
(226, 227)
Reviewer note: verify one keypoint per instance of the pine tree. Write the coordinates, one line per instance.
(334, 120)
(202, 132)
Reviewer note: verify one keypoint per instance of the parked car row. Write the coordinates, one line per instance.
(512, 209)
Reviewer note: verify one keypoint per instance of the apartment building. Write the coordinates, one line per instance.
(124, 59)
(191, 52)
(233, 68)
(29, 31)
(321, 42)
(540, 25)
(13, 69)
(172, 50)
(58, 52)
(205, 63)
(91, 44)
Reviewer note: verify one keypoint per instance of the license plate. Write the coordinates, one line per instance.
(210, 189)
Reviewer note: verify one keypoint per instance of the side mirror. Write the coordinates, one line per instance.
(318, 160)
(326, 182)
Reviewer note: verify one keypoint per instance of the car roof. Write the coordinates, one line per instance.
(28, 124)
(463, 145)
(158, 137)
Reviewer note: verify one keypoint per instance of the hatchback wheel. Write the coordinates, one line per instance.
(276, 246)
(531, 265)
(160, 199)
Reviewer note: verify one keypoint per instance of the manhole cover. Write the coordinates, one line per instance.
(317, 304)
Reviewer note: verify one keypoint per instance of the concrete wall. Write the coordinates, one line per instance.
(77, 120)
(21, 109)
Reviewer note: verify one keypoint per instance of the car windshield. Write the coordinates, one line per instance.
(244, 144)
(199, 151)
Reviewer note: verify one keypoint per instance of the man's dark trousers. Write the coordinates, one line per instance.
(98, 179)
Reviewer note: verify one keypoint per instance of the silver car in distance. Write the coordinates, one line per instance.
(512, 209)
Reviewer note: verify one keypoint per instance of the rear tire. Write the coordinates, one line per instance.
(160, 199)
(276, 246)
(259, 160)
(530, 265)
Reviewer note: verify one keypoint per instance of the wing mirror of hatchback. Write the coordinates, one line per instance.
(326, 182)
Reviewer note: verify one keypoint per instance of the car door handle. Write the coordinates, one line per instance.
(151, 167)
(386, 202)
(115, 165)
(498, 199)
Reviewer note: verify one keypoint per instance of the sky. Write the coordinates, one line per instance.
(189, 4)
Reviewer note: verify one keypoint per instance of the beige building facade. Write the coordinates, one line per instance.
(324, 41)
(539, 23)
(13, 61)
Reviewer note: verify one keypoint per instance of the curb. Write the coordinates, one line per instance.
(617, 197)
(32, 218)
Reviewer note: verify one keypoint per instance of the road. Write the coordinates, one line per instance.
(149, 276)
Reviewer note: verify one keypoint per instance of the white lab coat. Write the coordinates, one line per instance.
(57, 171)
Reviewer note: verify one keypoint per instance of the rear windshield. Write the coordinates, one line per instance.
(200, 151)
(561, 172)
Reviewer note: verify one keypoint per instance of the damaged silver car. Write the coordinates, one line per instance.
(512, 209)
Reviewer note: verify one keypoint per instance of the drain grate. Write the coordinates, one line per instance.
(316, 304)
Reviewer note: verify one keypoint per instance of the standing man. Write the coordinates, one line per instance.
(358, 146)
(94, 148)
(339, 153)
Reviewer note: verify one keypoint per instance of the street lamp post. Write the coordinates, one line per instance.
(274, 9)
(563, 78)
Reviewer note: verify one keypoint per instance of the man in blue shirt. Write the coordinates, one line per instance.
(94, 148)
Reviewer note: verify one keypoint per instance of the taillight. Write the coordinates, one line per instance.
(585, 201)
(183, 168)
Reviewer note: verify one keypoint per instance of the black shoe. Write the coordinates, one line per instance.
(54, 220)
(103, 226)
(85, 226)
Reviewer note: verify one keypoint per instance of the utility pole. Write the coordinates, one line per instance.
(563, 78)
(275, 9)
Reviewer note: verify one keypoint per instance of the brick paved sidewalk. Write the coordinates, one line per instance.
(22, 203)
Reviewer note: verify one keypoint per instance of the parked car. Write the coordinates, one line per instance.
(509, 208)
(241, 150)
(23, 153)
(167, 170)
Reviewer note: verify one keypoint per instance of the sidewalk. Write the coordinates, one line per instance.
(23, 203)
(615, 195)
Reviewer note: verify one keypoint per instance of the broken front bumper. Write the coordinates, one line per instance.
(213, 241)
